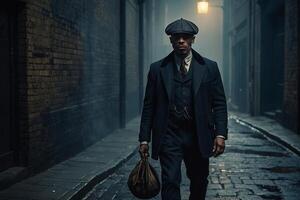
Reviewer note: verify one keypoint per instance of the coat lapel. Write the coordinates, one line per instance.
(167, 76)
(166, 70)
(198, 74)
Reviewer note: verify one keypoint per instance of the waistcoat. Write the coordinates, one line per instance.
(181, 104)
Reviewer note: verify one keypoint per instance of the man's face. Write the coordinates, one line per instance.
(182, 43)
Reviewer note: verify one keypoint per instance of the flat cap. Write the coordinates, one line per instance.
(182, 26)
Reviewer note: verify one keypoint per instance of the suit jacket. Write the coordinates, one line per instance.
(208, 96)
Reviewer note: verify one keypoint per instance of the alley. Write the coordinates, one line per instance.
(253, 167)
(84, 83)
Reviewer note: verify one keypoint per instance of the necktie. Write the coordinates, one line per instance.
(183, 69)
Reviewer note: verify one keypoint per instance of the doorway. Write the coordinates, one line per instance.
(239, 72)
(272, 66)
(7, 135)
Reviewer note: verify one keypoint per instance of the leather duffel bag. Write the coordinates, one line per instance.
(143, 180)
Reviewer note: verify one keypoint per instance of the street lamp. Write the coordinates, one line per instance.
(202, 6)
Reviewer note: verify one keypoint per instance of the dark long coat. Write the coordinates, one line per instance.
(208, 96)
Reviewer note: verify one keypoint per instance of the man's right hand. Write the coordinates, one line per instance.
(144, 148)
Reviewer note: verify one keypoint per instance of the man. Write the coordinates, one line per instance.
(185, 110)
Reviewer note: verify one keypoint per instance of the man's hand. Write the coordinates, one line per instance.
(219, 146)
(144, 148)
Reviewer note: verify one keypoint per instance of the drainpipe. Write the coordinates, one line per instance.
(141, 53)
(122, 93)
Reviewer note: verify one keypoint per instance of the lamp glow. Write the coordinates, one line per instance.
(202, 7)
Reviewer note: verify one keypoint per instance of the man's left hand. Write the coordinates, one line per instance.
(219, 146)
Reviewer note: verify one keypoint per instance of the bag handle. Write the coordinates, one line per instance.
(144, 156)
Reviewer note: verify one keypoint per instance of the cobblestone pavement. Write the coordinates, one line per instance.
(252, 167)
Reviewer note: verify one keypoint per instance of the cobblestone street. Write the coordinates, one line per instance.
(85, 82)
(252, 167)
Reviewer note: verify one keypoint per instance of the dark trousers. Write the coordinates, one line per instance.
(180, 144)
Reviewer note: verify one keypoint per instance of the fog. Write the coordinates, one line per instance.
(247, 39)
(208, 41)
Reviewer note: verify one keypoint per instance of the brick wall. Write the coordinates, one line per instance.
(291, 96)
(71, 83)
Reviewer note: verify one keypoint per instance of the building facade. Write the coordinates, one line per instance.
(71, 74)
(261, 58)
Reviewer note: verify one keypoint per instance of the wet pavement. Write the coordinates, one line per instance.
(252, 167)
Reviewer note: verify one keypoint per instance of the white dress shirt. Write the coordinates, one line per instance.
(187, 61)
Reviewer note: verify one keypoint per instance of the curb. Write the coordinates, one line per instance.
(266, 133)
(97, 179)
(12, 176)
